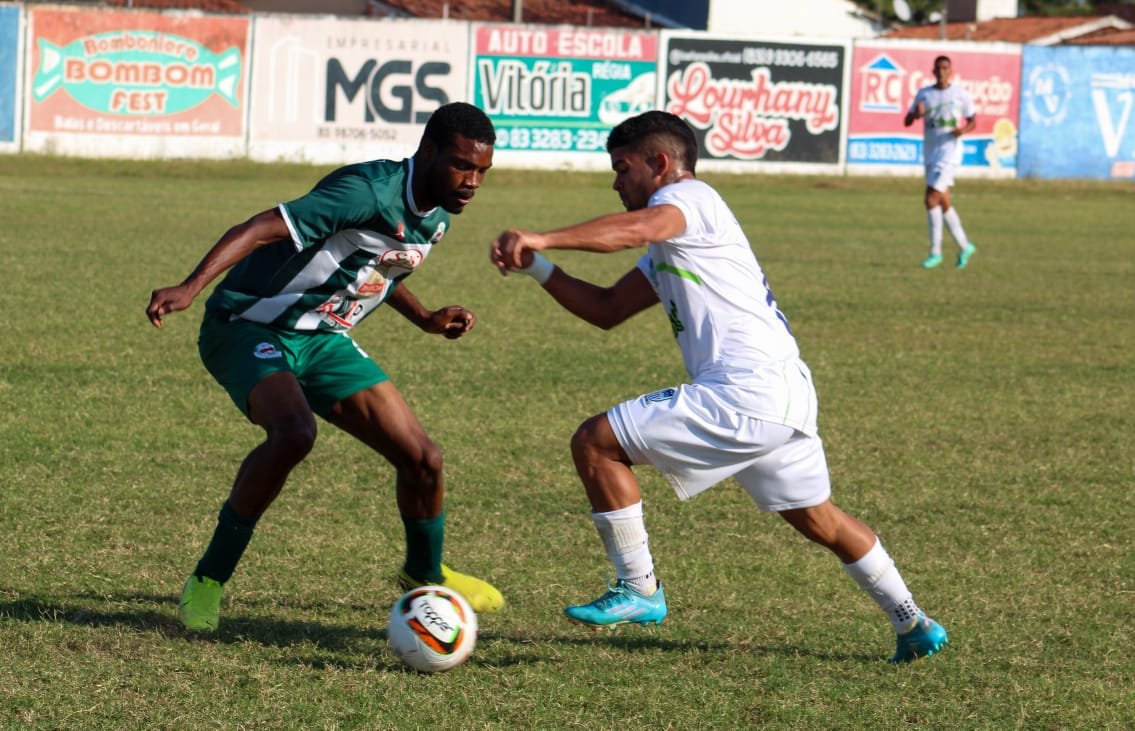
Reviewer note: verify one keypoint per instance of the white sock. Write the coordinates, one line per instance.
(624, 536)
(955, 225)
(934, 219)
(876, 574)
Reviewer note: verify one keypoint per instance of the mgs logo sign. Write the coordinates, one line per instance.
(393, 91)
(346, 84)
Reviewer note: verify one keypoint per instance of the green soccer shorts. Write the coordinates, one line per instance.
(329, 366)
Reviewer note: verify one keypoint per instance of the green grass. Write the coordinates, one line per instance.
(980, 421)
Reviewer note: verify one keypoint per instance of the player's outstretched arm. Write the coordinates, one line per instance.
(603, 307)
(237, 243)
(917, 111)
(605, 234)
(452, 321)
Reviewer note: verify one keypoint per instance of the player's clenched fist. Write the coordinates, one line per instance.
(166, 300)
(513, 249)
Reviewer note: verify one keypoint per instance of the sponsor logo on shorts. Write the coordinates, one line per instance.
(264, 351)
(658, 397)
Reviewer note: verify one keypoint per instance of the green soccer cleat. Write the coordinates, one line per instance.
(964, 255)
(931, 261)
(200, 608)
(481, 595)
(620, 605)
(927, 638)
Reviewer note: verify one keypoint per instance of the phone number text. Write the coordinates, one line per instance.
(551, 138)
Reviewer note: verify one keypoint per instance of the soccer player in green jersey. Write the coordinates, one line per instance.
(276, 336)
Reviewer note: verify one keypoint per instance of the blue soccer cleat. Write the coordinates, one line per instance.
(927, 638)
(964, 255)
(620, 605)
(931, 261)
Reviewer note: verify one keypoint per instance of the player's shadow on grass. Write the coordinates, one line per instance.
(318, 644)
(347, 646)
(135, 611)
(634, 639)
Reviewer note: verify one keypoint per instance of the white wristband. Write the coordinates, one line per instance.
(540, 269)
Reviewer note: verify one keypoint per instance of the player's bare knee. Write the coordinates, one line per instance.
(585, 442)
(422, 465)
(292, 440)
(433, 460)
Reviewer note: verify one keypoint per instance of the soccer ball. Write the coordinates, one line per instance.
(431, 629)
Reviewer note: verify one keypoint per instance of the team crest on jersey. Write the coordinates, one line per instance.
(403, 259)
(439, 233)
(400, 233)
(264, 351)
(658, 397)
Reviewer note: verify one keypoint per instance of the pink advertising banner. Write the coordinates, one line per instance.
(136, 74)
(884, 80)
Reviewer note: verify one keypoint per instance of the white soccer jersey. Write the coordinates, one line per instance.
(724, 317)
(946, 110)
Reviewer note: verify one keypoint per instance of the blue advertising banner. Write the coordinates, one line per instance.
(1078, 112)
(9, 70)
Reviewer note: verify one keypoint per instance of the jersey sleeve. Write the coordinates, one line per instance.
(919, 97)
(671, 196)
(345, 199)
(646, 265)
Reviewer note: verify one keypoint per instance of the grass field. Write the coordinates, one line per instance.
(981, 421)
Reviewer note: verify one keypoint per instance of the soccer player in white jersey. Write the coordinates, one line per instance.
(948, 113)
(749, 410)
(276, 336)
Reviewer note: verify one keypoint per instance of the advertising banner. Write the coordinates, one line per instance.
(331, 90)
(886, 76)
(10, 55)
(760, 103)
(554, 93)
(136, 84)
(1077, 117)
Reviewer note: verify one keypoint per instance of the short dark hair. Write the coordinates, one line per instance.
(459, 118)
(657, 129)
(942, 58)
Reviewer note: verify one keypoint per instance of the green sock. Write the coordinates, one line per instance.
(230, 539)
(424, 539)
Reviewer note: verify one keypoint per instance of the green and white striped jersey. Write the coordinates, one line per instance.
(353, 238)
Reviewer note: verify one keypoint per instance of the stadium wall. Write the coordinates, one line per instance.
(141, 84)
(11, 74)
(886, 76)
(1078, 119)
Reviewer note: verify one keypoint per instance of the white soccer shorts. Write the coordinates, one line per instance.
(940, 176)
(696, 440)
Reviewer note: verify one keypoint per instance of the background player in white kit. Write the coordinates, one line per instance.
(749, 411)
(948, 113)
